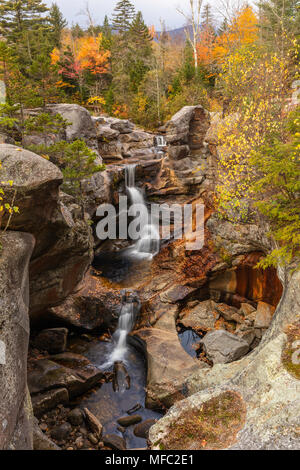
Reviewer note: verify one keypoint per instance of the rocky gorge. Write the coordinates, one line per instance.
(214, 335)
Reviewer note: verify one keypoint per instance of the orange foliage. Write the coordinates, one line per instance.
(91, 56)
(205, 46)
(243, 30)
(88, 53)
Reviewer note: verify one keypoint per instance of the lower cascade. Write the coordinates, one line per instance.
(148, 244)
(129, 311)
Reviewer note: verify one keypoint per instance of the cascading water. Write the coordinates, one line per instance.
(129, 310)
(148, 244)
(160, 141)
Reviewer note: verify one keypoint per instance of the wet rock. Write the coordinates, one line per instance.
(53, 340)
(129, 420)
(92, 307)
(93, 423)
(201, 317)
(168, 366)
(222, 347)
(142, 429)
(45, 375)
(264, 315)
(75, 417)
(44, 402)
(41, 441)
(61, 432)
(79, 442)
(93, 439)
(114, 442)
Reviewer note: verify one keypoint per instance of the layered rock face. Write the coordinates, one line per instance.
(15, 407)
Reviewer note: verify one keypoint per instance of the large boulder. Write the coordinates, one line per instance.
(63, 249)
(222, 347)
(92, 308)
(168, 366)
(82, 125)
(15, 408)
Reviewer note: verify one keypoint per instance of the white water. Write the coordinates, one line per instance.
(148, 244)
(125, 326)
(160, 141)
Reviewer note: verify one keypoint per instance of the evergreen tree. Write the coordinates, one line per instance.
(20, 23)
(141, 51)
(58, 23)
(279, 22)
(107, 34)
(208, 21)
(123, 16)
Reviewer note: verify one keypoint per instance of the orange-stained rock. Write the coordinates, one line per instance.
(258, 284)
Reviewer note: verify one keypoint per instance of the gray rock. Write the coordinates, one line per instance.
(203, 316)
(15, 408)
(127, 421)
(264, 315)
(142, 429)
(41, 441)
(93, 423)
(61, 432)
(53, 340)
(82, 125)
(114, 442)
(123, 126)
(43, 402)
(222, 347)
(75, 417)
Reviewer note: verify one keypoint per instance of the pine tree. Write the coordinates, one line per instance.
(58, 23)
(20, 23)
(208, 20)
(141, 51)
(123, 16)
(280, 22)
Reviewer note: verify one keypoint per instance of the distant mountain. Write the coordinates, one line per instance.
(178, 33)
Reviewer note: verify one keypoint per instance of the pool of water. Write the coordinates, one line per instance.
(190, 342)
(109, 405)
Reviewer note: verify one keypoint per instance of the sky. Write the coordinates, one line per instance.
(153, 10)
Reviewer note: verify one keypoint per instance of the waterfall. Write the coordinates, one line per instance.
(129, 310)
(149, 243)
(160, 141)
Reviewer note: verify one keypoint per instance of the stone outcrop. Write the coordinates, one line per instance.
(222, 347)
(268, 390)
(119, 140)
(81, 125)
(15, 408)
(63, 244)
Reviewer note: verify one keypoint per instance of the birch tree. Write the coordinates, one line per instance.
(193, 29)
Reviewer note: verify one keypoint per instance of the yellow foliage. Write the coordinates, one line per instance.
(243, 30)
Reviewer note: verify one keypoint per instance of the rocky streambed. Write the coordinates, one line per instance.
(214, 339)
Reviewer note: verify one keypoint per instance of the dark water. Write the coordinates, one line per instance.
(120, 268)
(189, 341)
(108, 405)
